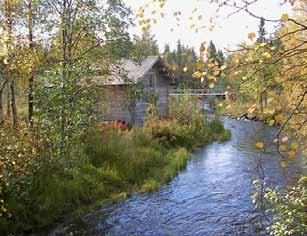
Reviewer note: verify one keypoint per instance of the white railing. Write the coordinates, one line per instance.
(199, 92)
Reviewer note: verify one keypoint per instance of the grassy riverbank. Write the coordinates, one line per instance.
(113, 165)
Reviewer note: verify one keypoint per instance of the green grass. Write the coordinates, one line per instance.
(218, 131)
(114, 165)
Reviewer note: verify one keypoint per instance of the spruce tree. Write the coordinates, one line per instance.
(211, 51)
(261, 32)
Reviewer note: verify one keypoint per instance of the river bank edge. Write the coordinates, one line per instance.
(63, 224)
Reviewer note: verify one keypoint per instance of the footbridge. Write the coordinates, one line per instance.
(226, 94)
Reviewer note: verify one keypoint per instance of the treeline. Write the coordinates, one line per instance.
(182, 60)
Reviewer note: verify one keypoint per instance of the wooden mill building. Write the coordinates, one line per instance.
(128, 89)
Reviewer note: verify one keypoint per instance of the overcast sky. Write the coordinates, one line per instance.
(228, 31)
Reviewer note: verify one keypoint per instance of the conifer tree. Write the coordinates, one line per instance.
(261, 32)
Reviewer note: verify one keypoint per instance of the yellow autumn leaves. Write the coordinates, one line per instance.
(260, 145)
(153, 18)
(211, 72)
(285, 147)
(149, 14)
(251, 36)
(267, 55)
(284, 17)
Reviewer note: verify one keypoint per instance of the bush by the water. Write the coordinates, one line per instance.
(37, 190)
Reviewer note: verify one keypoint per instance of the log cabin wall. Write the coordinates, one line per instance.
(159, 84)
(154, 82)
(114, 103)
(120, 108)
(163, 85)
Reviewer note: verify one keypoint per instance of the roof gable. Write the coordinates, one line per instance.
(130, 71)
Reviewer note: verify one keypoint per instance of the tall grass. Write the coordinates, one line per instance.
(135, 156)
(113, 164)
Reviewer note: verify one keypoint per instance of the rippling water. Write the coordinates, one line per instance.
(210, 197)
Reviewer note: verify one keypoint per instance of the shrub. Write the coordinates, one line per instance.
(186, 110)
(39, 187)
(216, 126)
(218, 131)
(289, 209)
(17, 159)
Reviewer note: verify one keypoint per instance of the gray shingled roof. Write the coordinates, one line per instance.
(130, 71)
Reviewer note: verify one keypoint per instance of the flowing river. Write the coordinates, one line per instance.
(212, 196)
